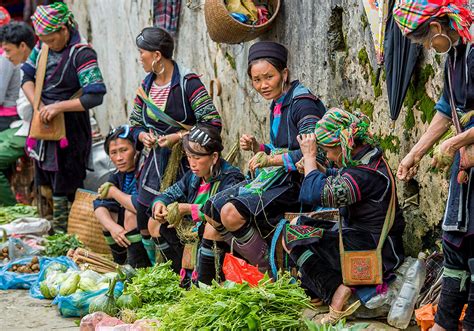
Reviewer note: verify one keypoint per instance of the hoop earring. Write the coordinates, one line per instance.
(161, 70)
(212, 170)
(444, 36)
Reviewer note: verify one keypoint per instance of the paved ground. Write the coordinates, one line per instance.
(18, 311)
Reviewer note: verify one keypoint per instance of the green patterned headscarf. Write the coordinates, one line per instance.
(49, 19)
(341, 128)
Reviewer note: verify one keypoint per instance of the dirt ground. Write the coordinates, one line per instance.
(21, 312)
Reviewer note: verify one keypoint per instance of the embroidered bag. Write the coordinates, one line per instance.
(366, 267)
(265, 179)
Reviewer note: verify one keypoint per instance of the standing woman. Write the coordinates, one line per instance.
(71, 67)
(444, 27)
(169, 101)
(294, 110)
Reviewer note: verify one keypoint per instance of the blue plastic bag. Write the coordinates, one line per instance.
(77, 304)
(45, 262)
(15, 280)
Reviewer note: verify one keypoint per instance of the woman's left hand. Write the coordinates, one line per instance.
(260, 160)
(308, 145)
(49, 112)
(169, 140)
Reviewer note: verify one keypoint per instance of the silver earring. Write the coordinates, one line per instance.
(162, 69)
(212, 170)
(444, 36)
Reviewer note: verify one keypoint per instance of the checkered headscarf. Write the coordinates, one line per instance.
(410, 14)
(49, 19)
(341, 128)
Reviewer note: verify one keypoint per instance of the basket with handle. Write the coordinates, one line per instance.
(84, 224)
(223, 28)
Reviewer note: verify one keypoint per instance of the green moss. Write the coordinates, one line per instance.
(409, 119)
(389, 143)
(367, 108)
(438, 59)
(231, 60)
(369, 73)
(363, 20)
(363, 57)
(417, 97)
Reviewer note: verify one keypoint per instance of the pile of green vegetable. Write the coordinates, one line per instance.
(60, 243)
(10, 213)
(271, 305)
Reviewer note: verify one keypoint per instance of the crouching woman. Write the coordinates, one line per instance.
(209, 174)
(361, 186)
(116, 207)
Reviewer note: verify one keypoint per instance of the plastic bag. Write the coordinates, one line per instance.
(77, 304)
(14, 280)
(89, 322)
(48, 264)
(238, 271)
(28, 225)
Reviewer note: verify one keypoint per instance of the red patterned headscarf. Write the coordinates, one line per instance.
(410, 14)
(4, 16)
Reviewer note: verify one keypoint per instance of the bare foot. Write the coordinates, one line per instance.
(340, 297)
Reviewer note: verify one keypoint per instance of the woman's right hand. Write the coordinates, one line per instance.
(120, 235)
(148, 139)
(408, 167)
(160, 212)
(249, 143)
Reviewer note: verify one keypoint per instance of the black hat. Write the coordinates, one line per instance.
(263, 49)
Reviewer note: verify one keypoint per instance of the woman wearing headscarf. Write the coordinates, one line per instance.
(249, 211)
(71, 67)
(445, 27)
(170, 100)
(360, 185)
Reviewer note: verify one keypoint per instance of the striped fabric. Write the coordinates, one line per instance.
(339, 191)
(410, 14)
(49, 19)
(203, 195)
(89, 75)
(203, 108)
(159, 95)
(166, 14)
(341, 128)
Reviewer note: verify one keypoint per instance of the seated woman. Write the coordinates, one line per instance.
(248, 210)
(361, 188)
(208, 174)
(116, 207)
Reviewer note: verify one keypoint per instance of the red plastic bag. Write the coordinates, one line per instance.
(238, 271)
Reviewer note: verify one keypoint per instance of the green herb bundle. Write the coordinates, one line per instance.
(60, 243)
(157, 284)
(10, 213)
(271, 305)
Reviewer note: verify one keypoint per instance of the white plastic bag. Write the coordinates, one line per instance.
(27, 225)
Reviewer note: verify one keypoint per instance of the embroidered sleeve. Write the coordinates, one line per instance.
(88, 72)
(136, 118)
(339, 191)
(202, 104)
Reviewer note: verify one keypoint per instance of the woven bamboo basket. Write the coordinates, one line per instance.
(223, 28)
(84, 224)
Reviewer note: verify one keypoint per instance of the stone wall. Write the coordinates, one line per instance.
(331, 50)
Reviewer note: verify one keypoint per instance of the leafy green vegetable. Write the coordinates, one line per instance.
(105, 302)
(340, 326)
(157, 284)
(277, 305)
(60, 243)
(10, 213)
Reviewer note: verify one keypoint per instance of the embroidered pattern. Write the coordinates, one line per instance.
(296, 235)
(89, 74)
(339, 191)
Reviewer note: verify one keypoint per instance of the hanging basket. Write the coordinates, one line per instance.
(223, 28)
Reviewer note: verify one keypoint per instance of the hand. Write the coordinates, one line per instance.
(49, 112)
(169, 140)
(443, 156)
(104, 190)
(148, 139)
(408, 167)
(249, 143)
(120, 236)
(160, 212)
(260, 160)
(184, 209)
(300, 165)
(308, 145)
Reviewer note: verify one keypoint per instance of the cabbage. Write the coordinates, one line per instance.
(70, 285)
(89, 281)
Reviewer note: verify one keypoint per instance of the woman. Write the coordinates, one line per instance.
(170, 100)
(71, 66)
(115, 209)
(208, 175)
(361, 187)
(294, 110)
(9, 82)
(444, 27)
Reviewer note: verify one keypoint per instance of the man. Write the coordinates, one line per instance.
(17, 40)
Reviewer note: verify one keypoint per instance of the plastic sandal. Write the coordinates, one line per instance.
(335, 316)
